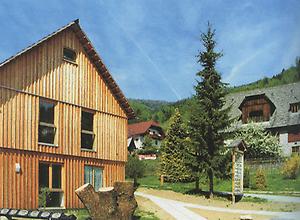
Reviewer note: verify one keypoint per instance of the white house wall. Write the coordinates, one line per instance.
(286, 149)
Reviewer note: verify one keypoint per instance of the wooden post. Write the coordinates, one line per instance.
(161, 180)
(233, 167)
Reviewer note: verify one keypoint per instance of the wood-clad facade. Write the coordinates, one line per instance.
(256, 108)
(40, 73)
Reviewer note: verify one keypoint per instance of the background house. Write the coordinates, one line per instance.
(63, 122)
(138, 131)
(276, 108)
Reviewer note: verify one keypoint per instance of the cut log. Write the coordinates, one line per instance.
(109, 203)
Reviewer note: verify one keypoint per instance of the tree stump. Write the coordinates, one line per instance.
(109, 203)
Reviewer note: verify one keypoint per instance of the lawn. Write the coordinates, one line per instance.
(275, 181)
(82, 214)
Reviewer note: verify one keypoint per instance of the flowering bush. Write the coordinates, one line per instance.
(260, 143)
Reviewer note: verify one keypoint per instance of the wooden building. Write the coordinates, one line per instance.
(276, 108)
(63, 122)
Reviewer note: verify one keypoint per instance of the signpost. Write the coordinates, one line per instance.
(238, 148)
(238, 173)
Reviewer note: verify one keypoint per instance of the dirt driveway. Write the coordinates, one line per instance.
(224, 207)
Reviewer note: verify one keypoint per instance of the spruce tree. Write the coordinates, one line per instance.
(172, 164)
(208, 117)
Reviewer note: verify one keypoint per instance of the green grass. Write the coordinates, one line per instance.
(83, 214)
(142, 215)
(254, 199)
(275, 181)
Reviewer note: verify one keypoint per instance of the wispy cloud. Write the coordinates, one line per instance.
(145, 55)
(150, 46)
(238, 68)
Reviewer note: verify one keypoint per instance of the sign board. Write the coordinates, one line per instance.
(238, 148)
(238, 172)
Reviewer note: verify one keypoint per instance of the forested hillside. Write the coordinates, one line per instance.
(161, 111)
(290, 75)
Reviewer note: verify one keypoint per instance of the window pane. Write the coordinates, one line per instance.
(56, 176)
(43, 175)
(47, 112)
(88, 175)
(97, 178)
(256, 116)
(54, 199)
(70, 54)
(46, 134)
(87, 119)
(87, 141)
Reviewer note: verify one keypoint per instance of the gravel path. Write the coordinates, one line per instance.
(179, 209)
(275, 198)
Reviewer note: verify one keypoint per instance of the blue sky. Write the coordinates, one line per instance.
(150, 46)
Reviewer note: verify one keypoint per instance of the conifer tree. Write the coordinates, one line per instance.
(172, 164)
(208, 117)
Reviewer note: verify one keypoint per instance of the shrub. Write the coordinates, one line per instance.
(291, 167)
(246, 177)
(134, 168)
(43, 195)
(260, 143)
(260, 179)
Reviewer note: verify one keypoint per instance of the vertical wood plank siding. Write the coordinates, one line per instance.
(19, 118)
(21, 189)
(42, 73)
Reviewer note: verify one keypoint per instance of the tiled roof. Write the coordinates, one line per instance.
(141, 127)
(280, 96)
(95, 59)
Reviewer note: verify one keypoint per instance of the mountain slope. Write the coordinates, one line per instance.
(161, 111)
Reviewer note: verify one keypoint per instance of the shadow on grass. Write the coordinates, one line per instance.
(224, 195)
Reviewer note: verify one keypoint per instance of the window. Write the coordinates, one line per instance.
(47, 128)
(50, 176)
(256, 116)
(87, 134)
(69, 55)
(294, 107)
(296, 150)
(93, 175)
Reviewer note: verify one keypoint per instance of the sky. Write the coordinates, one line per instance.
(150, 47)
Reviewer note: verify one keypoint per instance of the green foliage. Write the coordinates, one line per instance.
(275, 179)
(143, 215)
(134, 168)
(290, 169)
(81, 214)
(146, 110)
(260, 179)
(260, 143)
(148, 146)
(148, 150)
(147, 142)
(246, 177)
(208, 115)
(43, 195)
(172, 164)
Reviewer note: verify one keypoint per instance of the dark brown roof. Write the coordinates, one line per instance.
(95, 59)
(141, 127)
